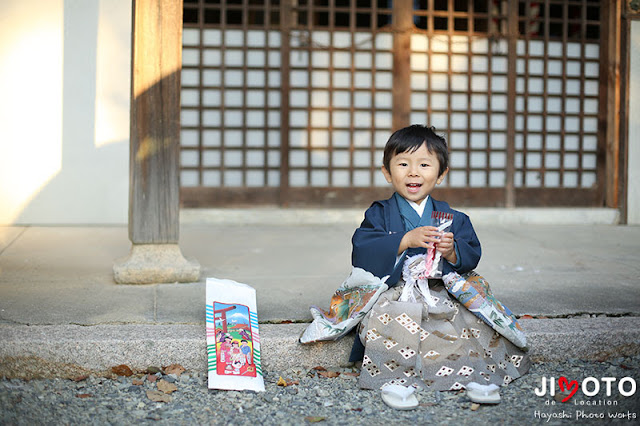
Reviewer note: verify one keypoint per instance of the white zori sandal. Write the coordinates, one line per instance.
(399, 397)
(483, 394)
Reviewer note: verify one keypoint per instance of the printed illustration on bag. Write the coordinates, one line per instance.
(234, 340)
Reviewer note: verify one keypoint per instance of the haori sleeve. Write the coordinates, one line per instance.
(375, 248)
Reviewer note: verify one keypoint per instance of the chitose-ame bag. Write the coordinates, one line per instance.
(233, 339)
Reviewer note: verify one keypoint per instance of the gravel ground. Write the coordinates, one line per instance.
(311, 398)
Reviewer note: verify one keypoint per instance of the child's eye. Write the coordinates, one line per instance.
(403, 164)
(424, 165)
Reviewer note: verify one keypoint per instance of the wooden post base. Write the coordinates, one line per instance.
(154, 264)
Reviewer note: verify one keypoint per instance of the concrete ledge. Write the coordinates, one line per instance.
(504, 216)
(52, 350)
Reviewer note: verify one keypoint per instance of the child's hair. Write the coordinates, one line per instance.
(411, 138)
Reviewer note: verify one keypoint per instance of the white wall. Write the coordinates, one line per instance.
(64, 112)
(633, 185)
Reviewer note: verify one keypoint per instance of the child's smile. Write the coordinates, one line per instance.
(414, 175)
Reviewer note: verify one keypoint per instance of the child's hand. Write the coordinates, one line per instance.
(447, 248)
(424, 236)
(429, 237)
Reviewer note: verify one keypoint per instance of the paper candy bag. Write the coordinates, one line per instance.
(233, 340)
(474, 293)
(349, 304)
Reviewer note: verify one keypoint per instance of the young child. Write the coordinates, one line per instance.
(453, 346)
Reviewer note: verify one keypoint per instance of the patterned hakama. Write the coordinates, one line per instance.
(443, 347)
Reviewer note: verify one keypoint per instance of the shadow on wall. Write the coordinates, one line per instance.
(91, 186)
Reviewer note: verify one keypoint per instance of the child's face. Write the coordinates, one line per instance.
(414, 175)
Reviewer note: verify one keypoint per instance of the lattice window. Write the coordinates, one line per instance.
(294, 101)
(231, 96)
(557, 88)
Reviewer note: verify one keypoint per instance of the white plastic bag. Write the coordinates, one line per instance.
(233, 339)
(349, 304)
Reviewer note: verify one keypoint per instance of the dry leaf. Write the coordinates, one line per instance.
(151, 378)
(154, 370)
(293, 382)
(137, 382)
(176, 369)
(315, 419)
(328, 374)
(350, 373)
(84, 395)
(319, 368)
(474, 406)
(158, 396)
(166, 387)
(80, 378)
(281, 382)
(122, 370)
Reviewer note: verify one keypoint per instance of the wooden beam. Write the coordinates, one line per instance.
(610, 98)
(155, 122)
(512, 23)
(401, 91)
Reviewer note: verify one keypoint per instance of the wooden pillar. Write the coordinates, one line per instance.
(609, 113)
(512, 25)
(401, 92)
(154, 190)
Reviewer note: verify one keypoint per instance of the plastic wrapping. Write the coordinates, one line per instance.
(433, 258)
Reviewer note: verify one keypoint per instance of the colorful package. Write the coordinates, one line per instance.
(233, 339)
(433, 259)
(349, 304)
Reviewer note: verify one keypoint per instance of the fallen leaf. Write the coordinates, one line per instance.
(281, 382)
(625, 367)
(315, 419)
(474, 407)
(328, 374)
(122, 370)
(559, 396)
(151, 378)
(84, 395)
(137, 382)
(357, 409)
(350, 373)
(153, 370)
(526, 317)
(176, 369)
(166, 387)
(80, 378)
(293, 382)
(158, 396)
(319, 368)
